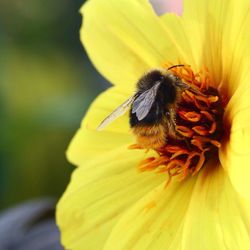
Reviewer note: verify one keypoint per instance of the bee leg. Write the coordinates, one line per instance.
(171, 123)
(172, 128)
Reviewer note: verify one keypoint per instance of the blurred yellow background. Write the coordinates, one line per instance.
(46, 85)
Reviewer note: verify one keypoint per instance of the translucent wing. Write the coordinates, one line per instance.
(116, 113)
(144, 102)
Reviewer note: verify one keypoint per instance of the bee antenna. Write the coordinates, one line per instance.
(174, 66)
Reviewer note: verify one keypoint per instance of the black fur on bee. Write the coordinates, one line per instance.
(166, 95)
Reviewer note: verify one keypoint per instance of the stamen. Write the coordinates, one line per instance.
(184, 131)
(198, 129)
(190, 116)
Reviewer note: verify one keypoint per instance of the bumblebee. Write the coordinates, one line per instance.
(153, 108)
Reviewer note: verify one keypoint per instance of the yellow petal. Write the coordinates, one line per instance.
(125, 38)
(216, 218)
(235, 45)
(202, 213)
(154, 221)
(215, 34)
(181, 33)
(203, 23)
(89, 143)
(235, 155)
(98, 193)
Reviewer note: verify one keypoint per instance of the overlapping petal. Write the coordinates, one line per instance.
(88, 143)
(106, 195)
(106, 181)
(154, 222)
(99, 191)
(217, 218)
(218, 38)
(211, 34)
(235, 155)
(126, 38)
(202, 213)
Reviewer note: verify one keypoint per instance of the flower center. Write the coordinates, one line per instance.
(199, 129)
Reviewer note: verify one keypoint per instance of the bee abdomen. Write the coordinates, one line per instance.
(150, 136)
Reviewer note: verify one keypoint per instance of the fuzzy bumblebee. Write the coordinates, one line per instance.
(152, 108)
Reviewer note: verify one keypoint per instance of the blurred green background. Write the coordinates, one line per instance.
(46, 85)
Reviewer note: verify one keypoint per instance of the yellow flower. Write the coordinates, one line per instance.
(109, 204)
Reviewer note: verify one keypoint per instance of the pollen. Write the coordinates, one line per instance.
(199, 129)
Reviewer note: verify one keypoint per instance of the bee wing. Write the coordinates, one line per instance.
(144, 102)
(119, 111)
